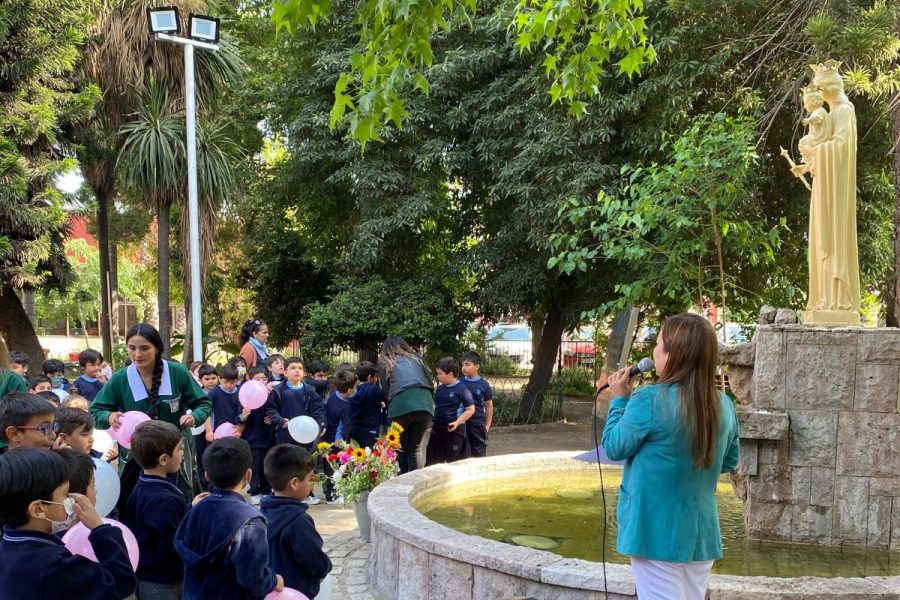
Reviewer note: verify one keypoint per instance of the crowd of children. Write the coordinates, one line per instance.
(250, 532)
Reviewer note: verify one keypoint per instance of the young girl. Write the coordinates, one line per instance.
(240, 364)
(254, 335)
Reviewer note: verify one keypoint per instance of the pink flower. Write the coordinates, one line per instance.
(344, 457)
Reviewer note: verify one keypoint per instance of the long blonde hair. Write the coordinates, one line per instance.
(693, 352)
(4, 354)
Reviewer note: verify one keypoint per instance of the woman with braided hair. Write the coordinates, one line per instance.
(160, 388)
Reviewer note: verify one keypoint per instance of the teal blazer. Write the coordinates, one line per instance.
(667, 510)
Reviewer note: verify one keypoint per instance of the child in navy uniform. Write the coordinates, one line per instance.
(261, 437)
(295, 546)
(91, 379)
(337, 428)
(453, 406)
(275, 369)
(293, 398)
(479, 425)
(318, 378)
(34, 563)
(27, 420)
(366, 406)
(222, 540)
(56, 371)
(156, 508)
(18, 362)
(226, 407)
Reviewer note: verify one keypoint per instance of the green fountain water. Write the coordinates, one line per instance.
(563, 515)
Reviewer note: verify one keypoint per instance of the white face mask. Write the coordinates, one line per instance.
(241, 371)
(57, 526)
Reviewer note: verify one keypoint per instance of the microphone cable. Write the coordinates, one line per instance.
(596, 436)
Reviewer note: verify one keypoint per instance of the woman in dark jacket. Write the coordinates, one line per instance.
(409, 391)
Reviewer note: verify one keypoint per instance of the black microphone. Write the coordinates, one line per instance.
(644, 365)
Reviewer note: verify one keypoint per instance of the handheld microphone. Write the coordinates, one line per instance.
(644, 365)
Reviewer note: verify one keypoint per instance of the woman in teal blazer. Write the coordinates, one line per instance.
(677, 437)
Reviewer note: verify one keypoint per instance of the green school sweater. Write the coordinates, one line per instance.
(10, 381)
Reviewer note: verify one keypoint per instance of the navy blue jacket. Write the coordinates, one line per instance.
(222, 542)
(153, 513)
(337, 412)
(88, 388)
(295, 547)
(256, 432)
(450, 401)
(226, 408)
(286, 402)
(320, 385)
(37, 566)
(365, 410)
(481, 393)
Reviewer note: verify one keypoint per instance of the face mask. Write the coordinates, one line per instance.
(57, 381)
(241, 371)
(57, 526)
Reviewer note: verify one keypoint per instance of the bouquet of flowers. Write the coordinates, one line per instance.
(358, 470)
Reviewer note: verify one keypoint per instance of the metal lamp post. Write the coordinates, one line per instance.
(164, 24)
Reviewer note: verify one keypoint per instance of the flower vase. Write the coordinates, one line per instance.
(361, 511)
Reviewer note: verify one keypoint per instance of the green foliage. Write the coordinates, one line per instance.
(574, 382)
(498, 365)
(363, 315)
(395, 49)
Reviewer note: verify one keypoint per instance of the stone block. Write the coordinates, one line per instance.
(812, 524)
(413, 576)
(384, 563)
(820, 336)
(768, 520)
(763, 425)
(747, 460)
(884, 486)
(820, 376)
(876, 388)
(767, 314)
(879, 346)
(895, 524)
(785, 316)
(879, 525)
(869, 445)
(447, 579)
(768, 377)
(740, 380)
(737, 355)
(812, 435)
(772, 484)
(773, 453)
(546, 591)
(801, 483)
(491, 584)
(822, 487)
(851, 510)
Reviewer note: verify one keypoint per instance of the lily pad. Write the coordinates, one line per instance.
(574, 494)
(537, 542)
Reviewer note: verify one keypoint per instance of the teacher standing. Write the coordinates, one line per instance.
(159, 388)
(677, 437)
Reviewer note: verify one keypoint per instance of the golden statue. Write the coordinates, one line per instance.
(829, 156)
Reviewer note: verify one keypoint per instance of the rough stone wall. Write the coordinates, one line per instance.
(820, 447)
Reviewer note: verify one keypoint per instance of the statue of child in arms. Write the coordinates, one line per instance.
(817, 132)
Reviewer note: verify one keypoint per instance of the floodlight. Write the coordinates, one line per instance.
(163, 20)
(203, 28)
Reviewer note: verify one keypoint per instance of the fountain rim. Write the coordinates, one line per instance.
(392, 510)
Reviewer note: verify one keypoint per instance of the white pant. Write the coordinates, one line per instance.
(663, 580)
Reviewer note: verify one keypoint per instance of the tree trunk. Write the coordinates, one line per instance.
(162, 281)
(893, 300)
(114, 289)
(544, 361)
(16, 328)
(536, 323)
(106, 334)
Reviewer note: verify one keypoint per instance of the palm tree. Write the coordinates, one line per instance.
(118, 62)
(151, 164)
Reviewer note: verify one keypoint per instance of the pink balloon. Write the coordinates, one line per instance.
(225, 430)
(77, 542)
(130, 421)
(253, 394)
(287, 594)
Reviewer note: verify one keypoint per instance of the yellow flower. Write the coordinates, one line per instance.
(395, 426)
(393, 437)
(323, 446)
(359, 455)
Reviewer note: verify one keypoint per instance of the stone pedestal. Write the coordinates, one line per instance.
(820, 439)
(830, 318)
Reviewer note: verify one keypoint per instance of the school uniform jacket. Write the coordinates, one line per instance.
(154, 512)
(285, 403)
(37, 566)
(295, 547)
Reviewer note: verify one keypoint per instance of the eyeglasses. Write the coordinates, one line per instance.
(45, 429)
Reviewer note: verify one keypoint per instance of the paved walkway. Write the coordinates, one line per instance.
(337, 525)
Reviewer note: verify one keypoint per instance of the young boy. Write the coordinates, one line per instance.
(260, 436)
(226, 408)
(295, 546)
(39, 383)
(275, 366)
(259, 374)
(56, 371)
(453, 406)
(366, 406)
(480, 424)
(81, 473)
(156, 508)
(209, 377)
(337, 426)
(18, 362)
(222, 541)
(34, 563)
(27, 420)
(76, 428)
(318, 379)
(91, 379)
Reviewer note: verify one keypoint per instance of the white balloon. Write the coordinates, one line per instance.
(303, 429)
(107, 485)
(61, 394)
(103, 443)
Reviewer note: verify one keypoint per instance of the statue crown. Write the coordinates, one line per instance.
(809, 89)
(826, 68)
